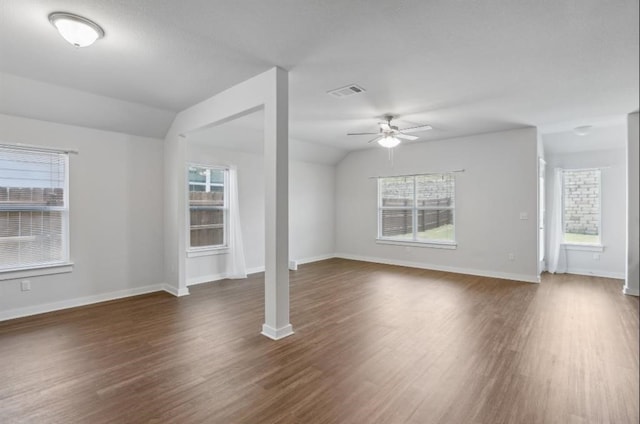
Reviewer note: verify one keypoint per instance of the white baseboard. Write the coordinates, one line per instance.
(631, 291)
(314, 259)
(175, 291)
(205, 279)
(420, 265)
(79, 301)
(277, 334)
(293, 265)
(596, 273)
(217, 277)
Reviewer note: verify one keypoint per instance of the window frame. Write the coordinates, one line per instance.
(209, 249)
(572, 245)
(64, 265)
(414, 241)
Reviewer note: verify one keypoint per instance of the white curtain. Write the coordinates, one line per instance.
(557, 256)
(235, 264)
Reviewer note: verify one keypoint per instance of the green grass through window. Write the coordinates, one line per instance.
(581, 238)
(441, 233)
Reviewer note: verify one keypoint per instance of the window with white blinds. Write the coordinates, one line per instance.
(208, 207)
(34, 209)
(417, 208)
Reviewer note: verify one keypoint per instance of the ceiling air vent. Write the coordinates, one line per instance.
(349, 90)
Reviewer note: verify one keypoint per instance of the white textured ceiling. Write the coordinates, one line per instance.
(462, 66)
(604, 134)
(246, 134)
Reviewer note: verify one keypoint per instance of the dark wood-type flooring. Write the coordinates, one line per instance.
(372, 344)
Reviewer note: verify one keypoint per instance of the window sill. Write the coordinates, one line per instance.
(15, 274)
(195, 253)
(584, 247)
(431, 244)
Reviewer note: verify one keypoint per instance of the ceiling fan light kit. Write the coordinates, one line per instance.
(390, 136)
(389, 141)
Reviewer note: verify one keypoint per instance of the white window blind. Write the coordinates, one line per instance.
(417, 208)
(34, 209)
(208, 207)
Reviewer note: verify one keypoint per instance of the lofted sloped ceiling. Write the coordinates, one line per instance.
(462, 66)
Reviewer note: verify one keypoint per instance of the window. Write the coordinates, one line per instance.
(208, 207)
(34, 209)
(418, 208)
(581, 206)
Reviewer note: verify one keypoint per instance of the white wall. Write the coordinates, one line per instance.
(499, 182)
(311, 210)
(610, 262)
(632, 273)
(116, 217)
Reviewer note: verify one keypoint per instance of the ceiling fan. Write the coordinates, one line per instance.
(390, 135)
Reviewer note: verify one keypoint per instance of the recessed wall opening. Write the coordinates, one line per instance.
(585, 199)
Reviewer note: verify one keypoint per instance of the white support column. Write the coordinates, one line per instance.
(632, 273)
(269, 90)
(276, 162)
(175, 217)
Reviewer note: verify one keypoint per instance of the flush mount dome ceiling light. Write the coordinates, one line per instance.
(78, 31)
(583, 130)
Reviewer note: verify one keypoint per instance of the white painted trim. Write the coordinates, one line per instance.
(209, 278)
(595, 273)
(193, 281)
(294, 263)
(17, 274)
(176, 292)
(420, 265)
(631, 292)
(315, 259)
(428, 244)
(31, 147)
(583, 247)
(80, 301)
(277, 334)
(207, 252)
(216, 277)
(255, 270)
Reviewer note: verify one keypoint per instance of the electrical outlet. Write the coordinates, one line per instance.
(512, 256)
(596, 256)
(25, 285)
(524, 215)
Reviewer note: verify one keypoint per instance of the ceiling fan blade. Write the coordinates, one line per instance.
(367, 133)
(374, 139)
(406, 136)
(417, 129)
(385, 126)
